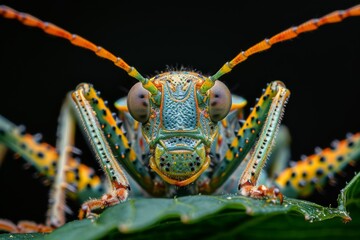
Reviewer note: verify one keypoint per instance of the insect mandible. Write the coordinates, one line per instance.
(190, 151)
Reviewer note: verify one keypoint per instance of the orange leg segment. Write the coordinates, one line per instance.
(108, 199)
(261, 192)
(23, 227)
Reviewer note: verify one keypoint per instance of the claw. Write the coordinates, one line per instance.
(108, 199)
(272, 194)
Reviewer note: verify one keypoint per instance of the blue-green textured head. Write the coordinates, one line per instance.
(179, 123)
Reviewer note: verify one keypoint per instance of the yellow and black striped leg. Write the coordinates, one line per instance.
(113, 134)
(93, 120)
(80, 178)
(248, 184)
(315, 171)
(255, 136)
(44, 158)
(276, 163)
(111, 148)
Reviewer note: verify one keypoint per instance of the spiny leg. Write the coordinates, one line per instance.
(279, 158)
(262, 149)
(247, 136)
(64, 146)
(81, 179)
(314, 171)
(66, 136)
(115, 136)
(244, 140)
(93, 130)
(44, 157)
(78, 176)
(111, 148)
(277, 161)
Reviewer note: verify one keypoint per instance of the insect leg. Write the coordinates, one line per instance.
(8, 226)
(314, 171)
(281, 154)
(44, 157)
(24, 227)
(261, 151)
(116, 136)
(80, 178)
(97, 139)
(277, 162)
(64, 146)
(111, 148)
(255, 127)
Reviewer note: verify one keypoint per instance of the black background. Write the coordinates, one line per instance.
(320, 68)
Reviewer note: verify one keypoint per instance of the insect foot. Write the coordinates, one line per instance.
(273, 194)
(109, 199)
(262, 149)
(24, 227)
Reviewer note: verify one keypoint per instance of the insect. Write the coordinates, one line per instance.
(192, 153)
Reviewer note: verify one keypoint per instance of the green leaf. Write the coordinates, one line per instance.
(350, 195)
(139, 214)
(214, 217)
(24, 236)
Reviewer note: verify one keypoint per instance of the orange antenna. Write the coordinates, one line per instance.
(293, 32)
(76, 40)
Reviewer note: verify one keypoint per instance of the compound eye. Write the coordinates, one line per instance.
(138, 103)
(220, 101)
